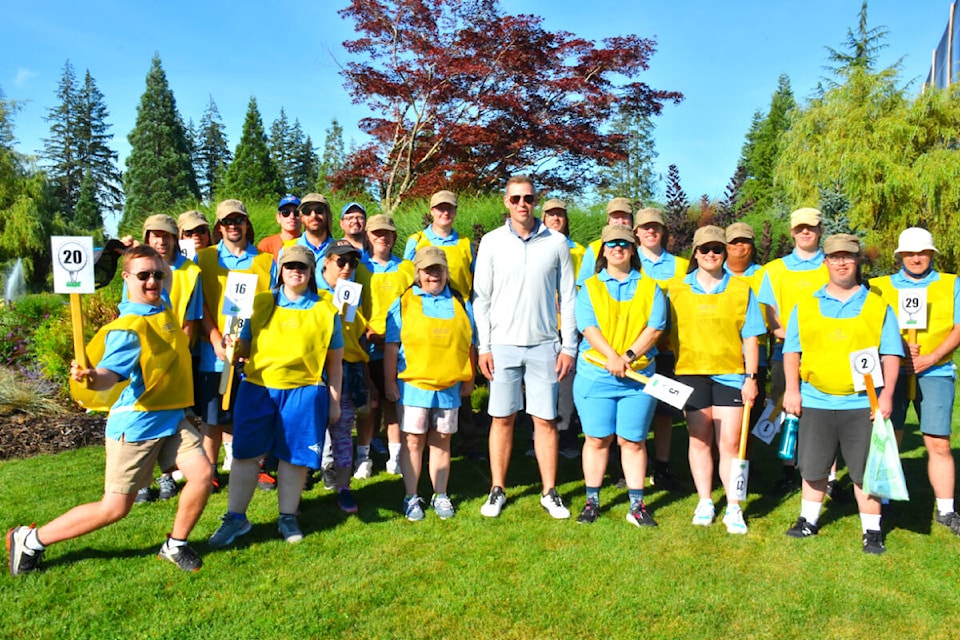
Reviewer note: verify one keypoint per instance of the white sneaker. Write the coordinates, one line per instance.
(393, 468)
(553, 503)
(364, 469)
(704, 514)
(227, 455)
(494, 503)
(733, 518)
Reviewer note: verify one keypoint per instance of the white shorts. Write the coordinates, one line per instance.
(419, 420)
(531, 368)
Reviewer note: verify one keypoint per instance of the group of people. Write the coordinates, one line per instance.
(557, 329)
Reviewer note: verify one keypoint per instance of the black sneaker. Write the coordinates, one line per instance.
(873, 542)
(182, 556)
(836, 493)
(802, 529)
(663, 479)
(168, 486)
(143, 495)
(639, 516)
(786, 485)
(590, 513)
(950, 520)
(21, 559)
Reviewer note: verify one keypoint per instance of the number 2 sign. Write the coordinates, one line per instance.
(866, 362)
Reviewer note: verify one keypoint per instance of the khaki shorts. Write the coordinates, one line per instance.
(130, 464)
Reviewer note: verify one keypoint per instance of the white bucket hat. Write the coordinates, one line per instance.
(915, 240)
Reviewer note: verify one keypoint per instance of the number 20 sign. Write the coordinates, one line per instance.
(72, 264)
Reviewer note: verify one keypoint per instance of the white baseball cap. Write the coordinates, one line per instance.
(915, 240)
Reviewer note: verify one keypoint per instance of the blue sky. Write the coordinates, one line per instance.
(724, 56)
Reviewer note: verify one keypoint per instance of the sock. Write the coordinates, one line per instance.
(237, 516)
(832, 476)
(393, 449)
(593, 493)
(636, 495)
(810, 511)
(944, 505)
(32, 541)
(363, 452)
(173, 543)
(870, 521)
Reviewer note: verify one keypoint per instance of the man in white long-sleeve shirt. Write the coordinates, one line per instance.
(523, 270)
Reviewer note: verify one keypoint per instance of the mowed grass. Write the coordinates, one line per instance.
(524, 575)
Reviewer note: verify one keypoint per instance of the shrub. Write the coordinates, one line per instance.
(27, 394)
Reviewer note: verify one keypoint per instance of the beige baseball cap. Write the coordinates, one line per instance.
(617, 232)
(648, 215)
(806, 215)
(443, 197)
(190, 220)
(228, 207)
(381, 222)
(429, 256)
(841, 242)
(621, 205)
(554, 203)
(739, 231)
(708, 234)
(160, 222)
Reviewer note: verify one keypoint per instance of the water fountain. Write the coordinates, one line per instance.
(16, 285)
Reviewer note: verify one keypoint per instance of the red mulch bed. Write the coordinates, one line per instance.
(23, 436)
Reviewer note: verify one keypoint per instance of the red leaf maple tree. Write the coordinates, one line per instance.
(466, 95)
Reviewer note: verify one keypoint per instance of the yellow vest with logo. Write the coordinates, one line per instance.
(436, 350)
(459, 260)
(214, 278)
(353, 332)
(381, 290)
(826, 343)
(939, 310)
(705, 328)
(165, 364)
(185, 279)
(790, 287)
(621, 322)
(288, 347)
(577, 251)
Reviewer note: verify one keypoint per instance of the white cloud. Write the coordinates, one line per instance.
(24, 75)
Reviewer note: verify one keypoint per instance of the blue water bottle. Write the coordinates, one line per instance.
(788, 437)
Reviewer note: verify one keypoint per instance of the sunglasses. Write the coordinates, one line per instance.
(716, 249)
(232, 222)
(286, 213)
(528, 198)
(143, 276)
(296, 266)
(201, 231)
(353, 261)
(621, 244)
(313, 211)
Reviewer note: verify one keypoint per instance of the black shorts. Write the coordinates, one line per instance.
(710, 393)
(209, 401)
(823, 431)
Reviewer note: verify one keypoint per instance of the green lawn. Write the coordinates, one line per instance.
(524, 575)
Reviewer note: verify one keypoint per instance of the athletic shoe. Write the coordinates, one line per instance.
(590, 513)
(229, 530)
(665, 480)
(346, 502)
(215, 482)
(553, 503)
(143, 495)
(733, 519)
(377, 445)
(442, 505)
(329, 474)
(494, 504)
(639, 516)
(531, 452)
(803, 529)
(786, 485)
(570, 453)
(21, 559)
(950, 520)
(393, 468)
(364, 470)
(836, 493)
(413, 508)
(266, 482)
(168, 488)
(704, 514)
(873, 542)
(289, 529)
(183, 556)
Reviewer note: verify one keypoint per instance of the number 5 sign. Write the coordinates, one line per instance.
(912, 311)
(866, 362)
(72, 264)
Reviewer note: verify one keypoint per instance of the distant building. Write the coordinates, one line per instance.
(945, 66)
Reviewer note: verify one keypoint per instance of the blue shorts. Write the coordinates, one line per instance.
(933, 404)
(531, 368)
(289, 423)
(607, 408)
(209, 400)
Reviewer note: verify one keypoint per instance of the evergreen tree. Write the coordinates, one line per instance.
(281, 146)
(159, 173)
(61, 149)
(679, 227)
(860, 52)
(762, 148)
(634, 176)
(252, 175)
(86, 216)
(96, 156)
(733, 206)
(333, 158)
(212, 155)
(304, 162)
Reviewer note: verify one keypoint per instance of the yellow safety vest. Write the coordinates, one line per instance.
(214, 278)
(165, 364)
(826, 343)
(790, 287)
(577, 251)
(288, 347)
(185, 279)
(381, 290)
(436, 350)
(939, 310)
(621, 322)
(459, 261)
(705, 328)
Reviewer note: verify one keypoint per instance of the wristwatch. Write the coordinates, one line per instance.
(751, 376)
(631, 356)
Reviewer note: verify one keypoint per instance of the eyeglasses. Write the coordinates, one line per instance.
(619, 244)
(313, 211)
(200, 231)
(716, 249)
(840, 258)
(528, 198)
(286, 213)
(560, 213)
(353, 261)
(354, 218)
(296, 266)
(232, 222)
(143, 276)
